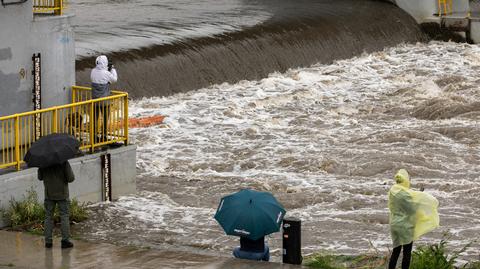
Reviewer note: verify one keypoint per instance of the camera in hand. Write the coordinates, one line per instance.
(110, 66)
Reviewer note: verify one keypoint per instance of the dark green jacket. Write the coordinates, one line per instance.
(55, 179)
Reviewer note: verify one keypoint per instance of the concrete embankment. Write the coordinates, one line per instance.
(20, 250)
(87, 186)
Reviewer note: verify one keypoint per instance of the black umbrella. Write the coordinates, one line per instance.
(51, 150)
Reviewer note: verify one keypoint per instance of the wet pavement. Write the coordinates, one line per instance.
(20, 250)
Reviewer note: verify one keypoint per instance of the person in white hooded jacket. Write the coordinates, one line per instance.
(101, 78)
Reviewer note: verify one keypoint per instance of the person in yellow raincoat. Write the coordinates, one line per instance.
(412, 214)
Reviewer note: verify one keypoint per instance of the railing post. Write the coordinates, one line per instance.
(125, 118)
(73, 94)
(17, 142)
(57, 7)
(92, 124)
(55, 120)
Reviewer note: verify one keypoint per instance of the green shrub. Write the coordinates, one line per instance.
(25, 213)
(435, 256)
(29, 214)
(78, 212)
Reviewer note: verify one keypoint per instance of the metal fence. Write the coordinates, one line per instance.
(94, 122)
(54, 7)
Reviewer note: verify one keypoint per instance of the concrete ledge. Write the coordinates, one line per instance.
(87, 186)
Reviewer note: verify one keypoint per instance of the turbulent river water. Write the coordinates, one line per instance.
(256, 96)
(164, 47)
(325, 140)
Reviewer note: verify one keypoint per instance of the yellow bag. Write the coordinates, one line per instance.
(412, 213)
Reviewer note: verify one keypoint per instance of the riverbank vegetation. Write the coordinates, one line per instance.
(29, 215)
(423, 257)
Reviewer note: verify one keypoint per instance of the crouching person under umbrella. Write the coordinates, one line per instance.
(55, 179)
(251, 215)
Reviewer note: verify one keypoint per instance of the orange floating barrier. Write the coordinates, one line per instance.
(145, 122)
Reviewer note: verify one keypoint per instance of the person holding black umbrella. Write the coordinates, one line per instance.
(51, 154)
(55, 180)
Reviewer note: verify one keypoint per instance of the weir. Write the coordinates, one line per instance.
(299, 34)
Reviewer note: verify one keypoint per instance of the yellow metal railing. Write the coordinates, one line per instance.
(94, 122)
(80, 93)
(55, 7)
(445, 7)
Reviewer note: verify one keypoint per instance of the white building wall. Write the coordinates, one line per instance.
(15, 90)
(21, 35)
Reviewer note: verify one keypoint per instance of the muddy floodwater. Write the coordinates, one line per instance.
(325, 140)
(162, 47)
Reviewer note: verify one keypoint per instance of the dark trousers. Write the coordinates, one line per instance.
(64, 208)
(407, 255)
(104, 109)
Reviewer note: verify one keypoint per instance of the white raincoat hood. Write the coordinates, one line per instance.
(100, 73)
(102, 62)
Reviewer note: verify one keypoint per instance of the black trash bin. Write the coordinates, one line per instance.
(292, 243)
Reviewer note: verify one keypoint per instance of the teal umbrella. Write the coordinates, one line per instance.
(250, 213)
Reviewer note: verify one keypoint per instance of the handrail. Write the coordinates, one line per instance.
(84, 88)
(80, 119)
(63, 106)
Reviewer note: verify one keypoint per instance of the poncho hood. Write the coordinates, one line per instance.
(402, 178)
(102, 62)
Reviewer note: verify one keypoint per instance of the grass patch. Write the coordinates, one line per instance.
(434, 256)
(330, 261)
(29, 214)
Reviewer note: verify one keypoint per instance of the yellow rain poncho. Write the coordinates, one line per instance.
(412, 213)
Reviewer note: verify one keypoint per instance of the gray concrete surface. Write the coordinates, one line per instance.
(87, 186)
(21, 35)
(475, 35)
(20, 250)
(424, 9)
